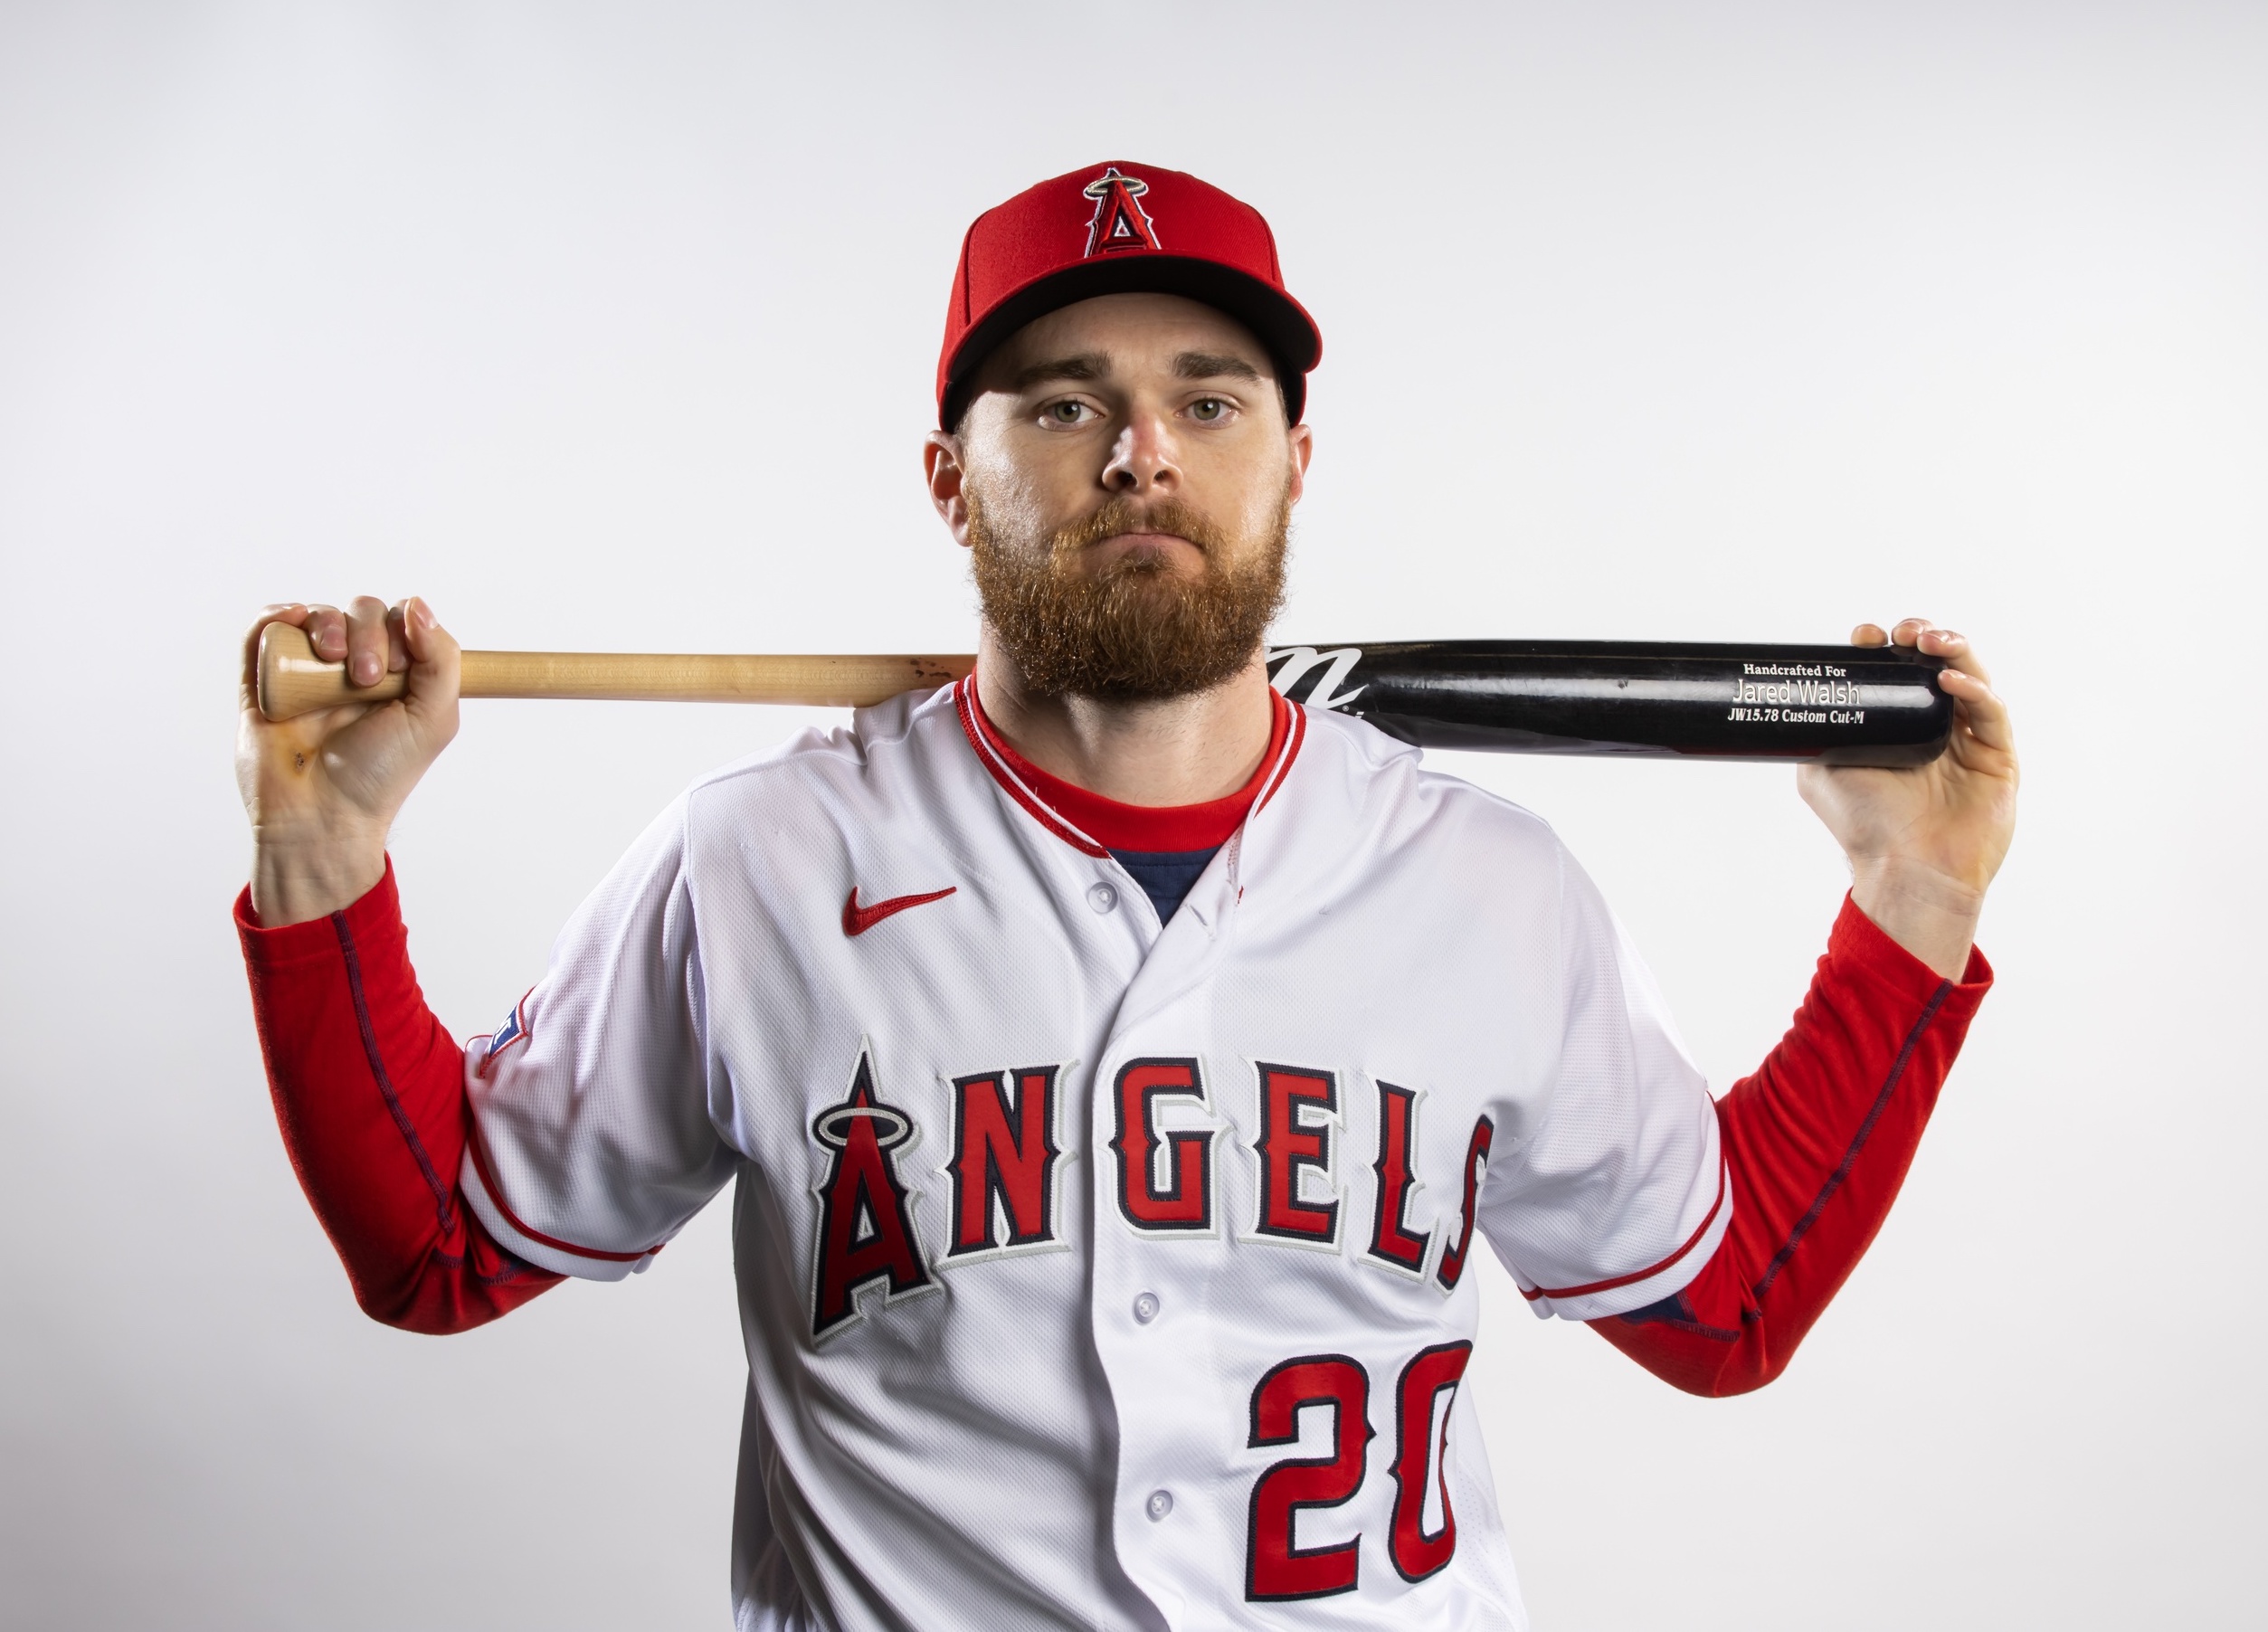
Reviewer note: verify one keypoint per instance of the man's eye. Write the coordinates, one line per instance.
(1205, 410)
(1066, 413)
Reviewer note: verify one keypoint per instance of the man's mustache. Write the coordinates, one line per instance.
(1116, 516)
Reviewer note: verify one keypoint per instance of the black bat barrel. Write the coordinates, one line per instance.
(1842, 704)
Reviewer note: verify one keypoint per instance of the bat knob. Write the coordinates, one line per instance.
(291, 680)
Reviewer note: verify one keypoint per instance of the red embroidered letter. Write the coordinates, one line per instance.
(866, 1226)
(1004, 1161)
(1298, 1110)
(1392, 1241)
(1185, 1201)
(1452, 1268)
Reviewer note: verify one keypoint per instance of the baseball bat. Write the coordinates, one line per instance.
(1844, 704)
(293, 680)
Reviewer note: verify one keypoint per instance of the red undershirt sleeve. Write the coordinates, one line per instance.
(1816, 1143)
(369, 1093)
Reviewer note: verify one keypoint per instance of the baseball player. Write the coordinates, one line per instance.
(1115, 1067)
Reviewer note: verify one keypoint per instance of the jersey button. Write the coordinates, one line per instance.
(1160, 1502)
(1102, 897)
(1146, 1307)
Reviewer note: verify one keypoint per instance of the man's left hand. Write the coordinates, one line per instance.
(1924, 841)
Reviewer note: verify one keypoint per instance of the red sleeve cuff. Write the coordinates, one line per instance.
(374, 918)
(1861, 952)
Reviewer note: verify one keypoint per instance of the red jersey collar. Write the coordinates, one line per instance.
(1089, 822)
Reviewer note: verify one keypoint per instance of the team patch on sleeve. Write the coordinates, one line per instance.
(515, 1030)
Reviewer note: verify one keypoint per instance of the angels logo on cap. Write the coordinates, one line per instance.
(1120, 223)
(1094, 232)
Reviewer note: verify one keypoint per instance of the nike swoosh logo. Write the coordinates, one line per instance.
(856, 919)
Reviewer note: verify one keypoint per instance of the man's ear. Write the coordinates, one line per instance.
(941, 456)
(1302, 441)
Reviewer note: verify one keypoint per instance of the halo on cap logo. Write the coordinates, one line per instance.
(1120, 223)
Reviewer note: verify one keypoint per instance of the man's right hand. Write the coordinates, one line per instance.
(322, 789)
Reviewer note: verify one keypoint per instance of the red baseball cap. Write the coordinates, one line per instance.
(1113, 229)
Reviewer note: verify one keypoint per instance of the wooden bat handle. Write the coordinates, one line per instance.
(293, 680)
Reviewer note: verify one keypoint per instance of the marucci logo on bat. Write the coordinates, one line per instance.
(1337, 665)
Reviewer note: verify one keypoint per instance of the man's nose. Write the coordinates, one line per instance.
(1143, 459)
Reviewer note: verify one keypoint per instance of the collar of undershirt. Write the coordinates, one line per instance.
(1089, 822)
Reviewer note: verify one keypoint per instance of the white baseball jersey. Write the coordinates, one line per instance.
(1096, 1273)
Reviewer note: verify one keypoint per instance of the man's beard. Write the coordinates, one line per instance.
(1138, 631)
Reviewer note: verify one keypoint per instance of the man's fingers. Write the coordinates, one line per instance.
(399, 655)
(420, 629)
(369, 637)
(1926, 636)
(1944, 643)
(1956, 652)
(434, 672)
(369, 646)
(326, 628)
(1908, 631)
(429, 646)
(1981, 709)
(1963, 678)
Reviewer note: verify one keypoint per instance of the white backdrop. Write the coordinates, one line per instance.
(614, 325)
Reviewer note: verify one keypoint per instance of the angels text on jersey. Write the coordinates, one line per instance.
(999, 1188)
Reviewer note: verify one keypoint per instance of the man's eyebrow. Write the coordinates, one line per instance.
(1214, 365)
(1086, 366)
